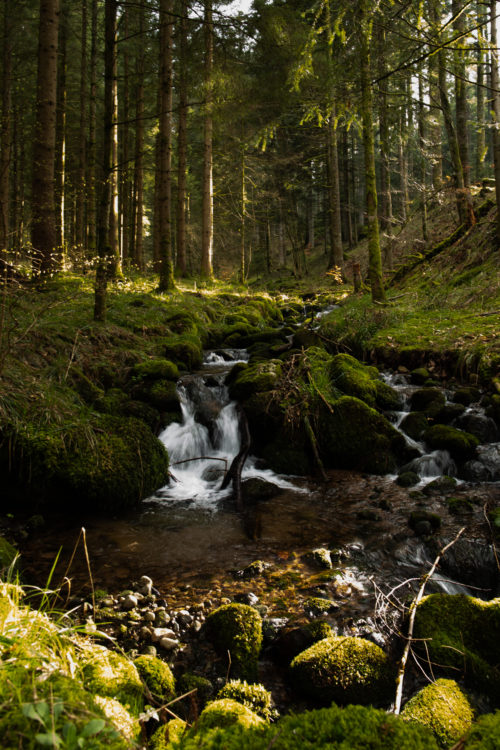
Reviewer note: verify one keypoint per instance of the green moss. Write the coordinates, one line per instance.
(343, 670)
(461, 634)
(459, 505)
(255, 697)
(111, 675)
(356, 379)
(350, 728)
(414, 424)
(237, 628)
(462, 445)
(8, 554)
(158, 677)
(163, 396)
(156, 369)
(444, 708)
(184, 350)
(484, 734)
(354, 436)
(203, 687)
(408, 479)
(128, 726)
(225, 712)
(257, 377)
(428, 400)
(170, 732)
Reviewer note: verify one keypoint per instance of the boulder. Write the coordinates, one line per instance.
(442, 707)
(236, 628)
(461, 445)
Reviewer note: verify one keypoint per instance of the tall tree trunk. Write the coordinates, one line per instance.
(336, 257)
(124, 187)
(386, 219)
(43, 226)
(114, 270)
(60, 158)
(5, 133)
(104, 249)
(138, 191)
(435, 136)
(423, 153)
(495, 95)
(207, 219)
(164, 222)
(181, 266)
(374, 254)
(91, 160)
(480, 98)
(458, 10)
(243, 209)
(80, 234)
(346, 204)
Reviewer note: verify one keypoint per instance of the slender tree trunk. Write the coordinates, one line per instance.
(336, 257)
(243, 209)
(43, 226)
(461, 91)
(423, 153)
(80, 234)
(115, 270)
(435, 136)
(495, 95)
(207, 218)
(91, 161)
(346, 191)
(104, 249)
(386, 219)
(60, 158)
(181, 266)
(164, 222)
(374, 254)
(480, 98)
(137, 213)
(124, 168)
(5, 133)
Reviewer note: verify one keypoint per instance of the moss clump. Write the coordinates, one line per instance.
(344, 670)
(170, 732)
(461, 445)
(156, 369)
(484, 734)
(158, 677)
(350, 728)
(257, 377)
(466, 396)
(428, 400)
(420, 375)
(459, 505)
(354, 436)
(108, 462)
(203, 686)
(185, 351)
(356, 379)
(408, 479)
(461, 635)
(8, 554)
(414, 424)
(255, 697)
(224, 713)
(237, 628)
(127, 725)
(443, 707)
(111, 675)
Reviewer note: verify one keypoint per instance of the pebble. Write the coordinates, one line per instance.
(168, 643)
(149, 616)
(159, 633)
(130, 601)
(184, 617)
(145, 585)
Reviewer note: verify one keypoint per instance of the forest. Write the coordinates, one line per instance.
(249, 374)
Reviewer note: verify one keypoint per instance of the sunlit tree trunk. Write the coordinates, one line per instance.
(137, 238)
(423, 153)
(124, 171)
(91, 156)
(207, 218)
(336, 257)
(164, 221)
(60, 157)
(104, 249)
(43, 226)
(80, 234)
(115, 270)
(458, 10)
(374, 254)
(480, 98)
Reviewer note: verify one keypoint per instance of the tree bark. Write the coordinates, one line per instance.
(495, 95)
(181, 264)
(80, 233)
(207, 219)
(374, 254)
(60, 154)
(164, 222)
(461, 92)
(6, 134)
(336, 257)
(91, 160)
(480, 98)
(43, 226)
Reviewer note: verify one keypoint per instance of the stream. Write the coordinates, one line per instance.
(191, 542)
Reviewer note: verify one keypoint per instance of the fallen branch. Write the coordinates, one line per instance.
(314, 445)
(485, 315)
(411, 622)
(238, 462)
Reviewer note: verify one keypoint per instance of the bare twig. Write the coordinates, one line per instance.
(411, 622)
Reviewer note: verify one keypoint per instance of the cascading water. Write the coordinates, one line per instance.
(202, 446)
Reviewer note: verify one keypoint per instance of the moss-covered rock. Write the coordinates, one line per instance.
(428, 400)
(156, 369)
(350, 728)
(185, 351)
(466, 395)
(344, 670)
(461, 636)
(224, 713)
(255, 378)
(203, 687)
(408, 479)
(461, 445)
(158, 677)
(419, 375)
(109, 463)
(355, 436)
(111, 675)
(254, 696)
(356, 379)
(484, 734)
(444, 708)
(166, 734)
(128, 725)
(415, 424)
(237, 628)
(8, 554)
